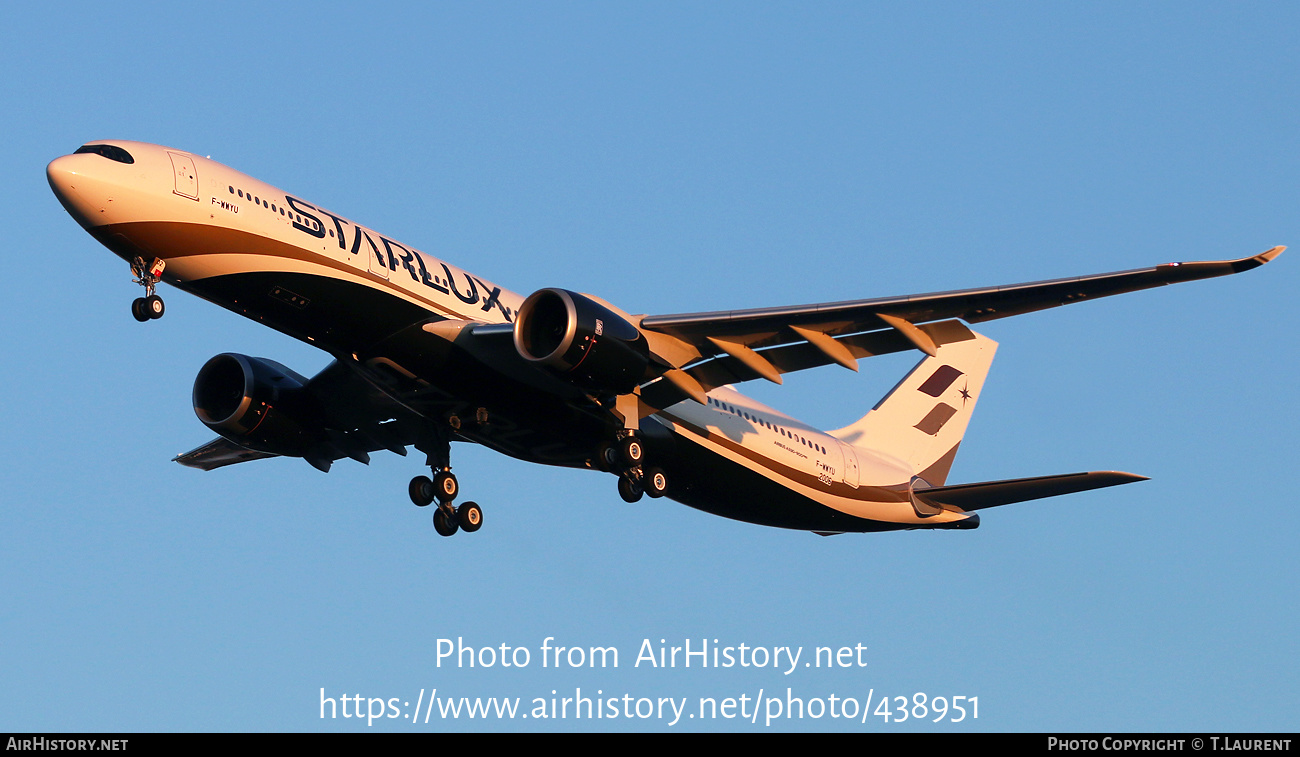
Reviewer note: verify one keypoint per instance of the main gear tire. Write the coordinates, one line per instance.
(421, 491)
(470, 516)
(444, 524)
(445, 486)
(629, 490)
(656, 482)
(632, 451)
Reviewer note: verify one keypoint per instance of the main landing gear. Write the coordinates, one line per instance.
(150, 307)
(626, 457)
(443, 487)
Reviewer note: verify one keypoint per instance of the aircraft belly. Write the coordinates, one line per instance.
(732, 480)
(724, 486)
(335, 314)
(520, 421)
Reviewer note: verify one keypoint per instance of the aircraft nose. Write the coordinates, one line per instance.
(80, 189)
(60, 173)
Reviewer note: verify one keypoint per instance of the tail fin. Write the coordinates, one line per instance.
(924, 418)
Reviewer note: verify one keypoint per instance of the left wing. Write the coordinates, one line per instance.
(356, 419)
(219, 453)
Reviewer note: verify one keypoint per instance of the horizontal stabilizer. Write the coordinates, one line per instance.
(970, 497)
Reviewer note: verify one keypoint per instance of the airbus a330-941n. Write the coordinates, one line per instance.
(426, 353)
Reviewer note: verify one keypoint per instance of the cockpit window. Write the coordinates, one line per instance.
(108, 151)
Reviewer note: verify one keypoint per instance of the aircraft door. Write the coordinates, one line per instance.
(850, 471)
(377, 262)
(360, 247)
(187, 179)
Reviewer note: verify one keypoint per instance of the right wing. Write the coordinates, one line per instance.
(730, 346)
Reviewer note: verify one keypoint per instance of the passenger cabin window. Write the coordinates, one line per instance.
(108, 151)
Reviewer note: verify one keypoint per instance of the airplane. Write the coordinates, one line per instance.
(426, 353)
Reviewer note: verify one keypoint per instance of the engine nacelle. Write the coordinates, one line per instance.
(256, 403)
(582, 341)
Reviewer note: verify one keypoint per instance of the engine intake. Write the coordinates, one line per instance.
(256, 403)
(582, 341)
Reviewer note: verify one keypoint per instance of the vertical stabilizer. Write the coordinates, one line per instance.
(924, 418)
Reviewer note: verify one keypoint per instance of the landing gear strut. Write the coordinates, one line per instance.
(149, 307)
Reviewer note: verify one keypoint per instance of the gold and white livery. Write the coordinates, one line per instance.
(427, 353)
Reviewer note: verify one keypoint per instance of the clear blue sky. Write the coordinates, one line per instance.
(674, 158)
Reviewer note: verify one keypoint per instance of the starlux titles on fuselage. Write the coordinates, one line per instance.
(393, 256)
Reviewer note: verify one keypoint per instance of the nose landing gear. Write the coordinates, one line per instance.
(150, 307)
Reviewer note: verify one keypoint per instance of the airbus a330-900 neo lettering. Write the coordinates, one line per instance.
(426, 353)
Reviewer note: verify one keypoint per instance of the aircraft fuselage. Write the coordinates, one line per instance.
(370, 300)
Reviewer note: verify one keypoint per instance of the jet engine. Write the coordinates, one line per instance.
(256, 403)
(582, 341)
